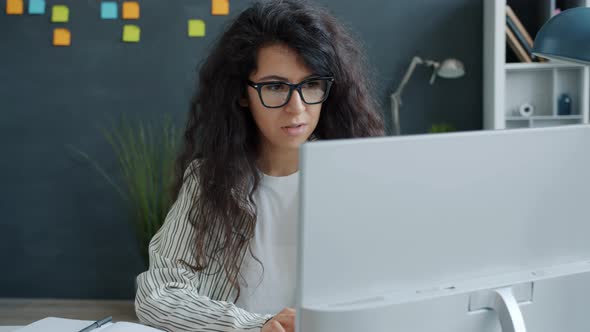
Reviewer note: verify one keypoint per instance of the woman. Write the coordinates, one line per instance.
(284, 72)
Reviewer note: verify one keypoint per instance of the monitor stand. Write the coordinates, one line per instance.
(509, 313)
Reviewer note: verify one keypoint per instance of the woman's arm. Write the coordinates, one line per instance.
(170, 296)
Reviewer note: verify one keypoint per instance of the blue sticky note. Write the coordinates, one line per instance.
(36, 7)
(108, 10)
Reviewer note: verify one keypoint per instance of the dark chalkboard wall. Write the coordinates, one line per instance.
(63, 231)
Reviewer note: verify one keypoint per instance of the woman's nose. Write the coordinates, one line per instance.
(295, 103)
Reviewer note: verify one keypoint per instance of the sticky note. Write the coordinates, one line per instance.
(36, 7)
(220, 7)
(108, 10)
(14, 7)
(196, 28)
(62, 37)
(131, 33)
(130, 10)
(60, 13)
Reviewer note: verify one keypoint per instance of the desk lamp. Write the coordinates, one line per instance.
(565, 37)
(449, 68)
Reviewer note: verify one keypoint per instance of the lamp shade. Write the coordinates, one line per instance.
(451, 68)
(565, 37)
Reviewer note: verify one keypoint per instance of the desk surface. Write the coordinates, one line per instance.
(16, 312)
(8, 328)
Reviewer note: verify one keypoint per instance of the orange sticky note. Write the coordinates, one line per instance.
(220, 7)
(15, 7)
(130, 10)
(61, 37)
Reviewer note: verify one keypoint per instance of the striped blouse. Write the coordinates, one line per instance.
(172, 297)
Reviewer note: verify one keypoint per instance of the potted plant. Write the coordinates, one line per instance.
(441, 128)
(146, 155)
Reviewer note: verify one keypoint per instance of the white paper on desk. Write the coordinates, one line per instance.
(53, 324)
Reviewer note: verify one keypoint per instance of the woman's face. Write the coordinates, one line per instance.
(291, 125)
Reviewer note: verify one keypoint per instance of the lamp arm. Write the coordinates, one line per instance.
(434, 65)
(415, 61)
(395, 102)
(396, 97)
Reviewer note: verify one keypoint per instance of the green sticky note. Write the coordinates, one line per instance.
(196, 28)
(131, 33)
(60, 13)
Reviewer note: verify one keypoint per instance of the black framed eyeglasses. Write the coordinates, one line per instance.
(277, 94)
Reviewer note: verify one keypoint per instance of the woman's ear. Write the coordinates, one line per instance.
(243, 102)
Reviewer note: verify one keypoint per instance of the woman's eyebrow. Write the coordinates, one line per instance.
(280, 78)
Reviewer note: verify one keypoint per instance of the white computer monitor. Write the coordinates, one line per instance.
(477, 231)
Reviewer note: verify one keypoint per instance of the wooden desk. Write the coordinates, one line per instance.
(26, 311)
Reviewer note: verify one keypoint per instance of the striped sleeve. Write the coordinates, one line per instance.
(172, 297)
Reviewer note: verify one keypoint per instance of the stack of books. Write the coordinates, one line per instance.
(519, 39)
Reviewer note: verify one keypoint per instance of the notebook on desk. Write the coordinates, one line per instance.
(53, 324)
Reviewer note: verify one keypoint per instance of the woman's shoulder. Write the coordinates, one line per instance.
(191, 169)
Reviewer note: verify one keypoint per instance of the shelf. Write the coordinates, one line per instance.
(544, 117)
(537, 121)
(517, 118)
(539, 65)
(509, 86)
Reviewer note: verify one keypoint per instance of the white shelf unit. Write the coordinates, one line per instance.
(507, 86)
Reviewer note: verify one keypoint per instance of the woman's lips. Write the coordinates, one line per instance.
(294, 130)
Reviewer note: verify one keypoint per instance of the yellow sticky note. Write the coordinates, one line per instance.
(130, 10)
(14, 7)
(60, 13)
(131, 33)
(196, 28)
(220, 7)
(62, 37)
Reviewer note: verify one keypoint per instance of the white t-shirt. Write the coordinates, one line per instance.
(274, 244)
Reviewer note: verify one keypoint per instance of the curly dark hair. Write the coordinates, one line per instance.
(222, 136)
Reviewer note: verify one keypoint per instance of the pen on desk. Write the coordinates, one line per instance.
(97, 324)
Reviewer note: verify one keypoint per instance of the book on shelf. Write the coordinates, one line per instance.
(518, 49)
(521, 38)
(518, 38)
